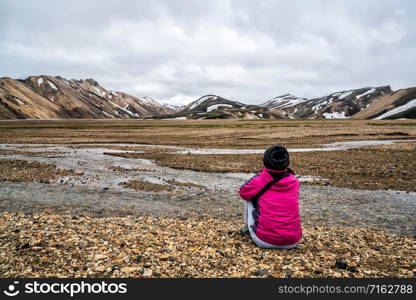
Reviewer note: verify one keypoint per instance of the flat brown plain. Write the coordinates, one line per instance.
(376, 167)
(205, 134)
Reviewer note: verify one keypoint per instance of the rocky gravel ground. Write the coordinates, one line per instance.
(21, 170)
(46, 245)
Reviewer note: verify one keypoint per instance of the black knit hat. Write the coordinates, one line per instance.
(276, 158)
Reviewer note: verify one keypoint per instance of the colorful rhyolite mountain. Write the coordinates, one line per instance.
(48, 97)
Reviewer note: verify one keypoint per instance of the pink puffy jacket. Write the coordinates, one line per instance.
(278, 220)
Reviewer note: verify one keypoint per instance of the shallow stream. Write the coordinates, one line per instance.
(97, 192)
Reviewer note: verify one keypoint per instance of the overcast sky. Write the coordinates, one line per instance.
(248, 51)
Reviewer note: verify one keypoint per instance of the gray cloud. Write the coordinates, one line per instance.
(176, 51)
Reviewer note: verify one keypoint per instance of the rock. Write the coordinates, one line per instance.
(25, 246)
(137, 259)
(352, 269)
(129, 270)
(100, 269)
(340, 264)
(100, 257)
(164, 256)
(89, 246)
(90, 265)
(37, 243)
(260, 272)
(115, 267)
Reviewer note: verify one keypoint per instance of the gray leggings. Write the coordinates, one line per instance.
(248, 219)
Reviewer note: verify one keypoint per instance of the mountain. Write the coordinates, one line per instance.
(216, 107)
(175, 108)
(397, 105)
(341, 104)
(48, 97)
(282, 102)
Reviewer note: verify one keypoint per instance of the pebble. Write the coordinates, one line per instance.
(129, 270)
(260, 272)
(195, 248)
(147, 273)
(340, 264)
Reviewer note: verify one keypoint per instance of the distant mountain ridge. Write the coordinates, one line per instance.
(343, 104)
(338, 105)
(48, 97)
(54, 97)
(216, 107)
(283, 101)
(397, 105)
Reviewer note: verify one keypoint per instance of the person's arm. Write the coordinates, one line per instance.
(251, 188)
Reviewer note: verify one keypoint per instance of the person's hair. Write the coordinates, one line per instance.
(276, 158)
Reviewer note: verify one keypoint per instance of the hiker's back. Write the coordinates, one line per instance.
(278, 220)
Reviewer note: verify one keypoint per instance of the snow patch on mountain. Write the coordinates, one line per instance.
(345, 95)
(397, 110)
(334, 115)
(200, 101)
(52, 85)
(213, 107)
(283, 101)
(366, 93)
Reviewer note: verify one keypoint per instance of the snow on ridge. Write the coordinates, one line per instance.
(283, 101)
(124, 109)
(172, 106)
(371, 90)
(213, 107)
(334, 115)
(198, 102)
(98, 91)
(149, 101)
(40, 81)
(52, 85)
(322, 104)
(345, 94)
(410, 104)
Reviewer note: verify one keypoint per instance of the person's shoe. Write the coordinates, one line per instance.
(245, 231)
